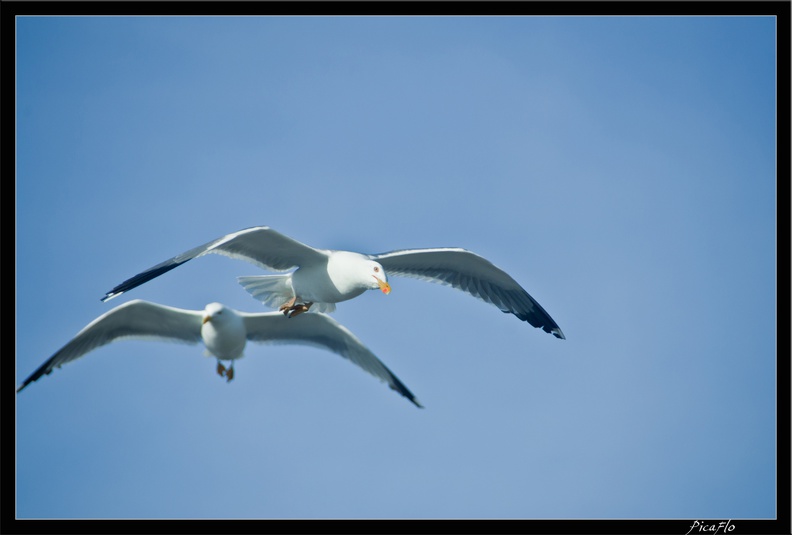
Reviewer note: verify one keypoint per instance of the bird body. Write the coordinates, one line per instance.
(223, 332)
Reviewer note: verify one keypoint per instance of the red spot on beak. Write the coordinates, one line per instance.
(384, 286)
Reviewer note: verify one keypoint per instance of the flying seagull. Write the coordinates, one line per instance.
(325, 277)
(224, 331)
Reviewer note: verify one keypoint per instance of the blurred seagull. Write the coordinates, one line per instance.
(325, 277)
(224, 331)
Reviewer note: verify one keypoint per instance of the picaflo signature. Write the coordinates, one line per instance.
(724, 526)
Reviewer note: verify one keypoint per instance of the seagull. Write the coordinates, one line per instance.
(224, 331)
(324, 277)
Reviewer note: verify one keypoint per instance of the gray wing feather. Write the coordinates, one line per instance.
(133, 320)
(262, 246)
(322, 331)
(471, 273)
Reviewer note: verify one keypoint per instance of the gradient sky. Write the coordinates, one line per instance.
(621, 169)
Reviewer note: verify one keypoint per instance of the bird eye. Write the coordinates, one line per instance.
(376, 269)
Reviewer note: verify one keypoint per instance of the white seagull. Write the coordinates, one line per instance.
(325, 277)
(224, 331)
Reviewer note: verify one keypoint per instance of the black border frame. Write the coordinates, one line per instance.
(10, 9)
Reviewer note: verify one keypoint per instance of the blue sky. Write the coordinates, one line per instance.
(621, 169)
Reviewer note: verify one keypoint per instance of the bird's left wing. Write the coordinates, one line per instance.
(133, 320)
(471, 273)
(321, 331)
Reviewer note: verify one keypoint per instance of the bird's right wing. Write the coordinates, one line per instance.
(133, 320)
(321, 331)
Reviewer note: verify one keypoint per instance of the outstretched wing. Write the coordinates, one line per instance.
(471, 273)
(321, 331)
(261, 246)
(133, 320)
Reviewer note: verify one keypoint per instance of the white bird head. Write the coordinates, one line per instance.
(356, 272)
(217, 313)
(380, 278)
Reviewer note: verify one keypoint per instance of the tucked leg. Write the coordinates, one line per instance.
(298, 309)
(230, 373)
(288, 305)
(221, 370)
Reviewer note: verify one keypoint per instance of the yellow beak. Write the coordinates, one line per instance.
(384, 286)
(206, 319)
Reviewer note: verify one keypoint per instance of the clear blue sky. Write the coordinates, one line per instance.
(621, 169)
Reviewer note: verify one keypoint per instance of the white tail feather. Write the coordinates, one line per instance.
(275, 290)
(272, 290)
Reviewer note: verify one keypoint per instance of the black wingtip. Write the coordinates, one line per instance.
(414, 401)
(399, 387)
(44, 369)
(545, 323)
(141, 278)
(33, 377)
(556, 331)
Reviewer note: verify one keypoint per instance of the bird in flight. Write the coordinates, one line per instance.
(320, 278)
(223, 331)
